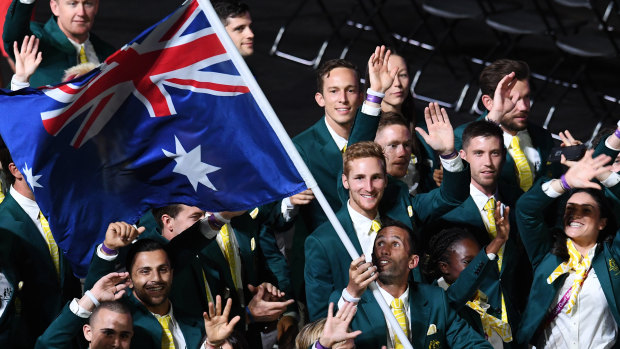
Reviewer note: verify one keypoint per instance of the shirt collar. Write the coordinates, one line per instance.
(361, 223)
(77, 46)
(389, 298)
(480, 198)
(522, 135)
(29, 206)
(171, 313)
(340, 141)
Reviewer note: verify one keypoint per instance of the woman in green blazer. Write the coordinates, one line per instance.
(575, 292)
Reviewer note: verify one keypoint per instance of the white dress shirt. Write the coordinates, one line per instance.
(525, 142)
(30, 207)
(388, 299)
(590, 324)
(177, 334)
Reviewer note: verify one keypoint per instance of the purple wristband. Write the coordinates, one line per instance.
(319, 346)
(374, 99)
(564, 183)
(617, 133)
(449, 156)
(108, 251)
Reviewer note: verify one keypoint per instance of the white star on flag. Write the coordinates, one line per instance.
(191, 166)
(32, 180)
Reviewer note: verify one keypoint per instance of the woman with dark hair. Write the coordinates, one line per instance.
(398, 100)
(575, 295)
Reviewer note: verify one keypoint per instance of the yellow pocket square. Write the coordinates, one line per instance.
(432, 329)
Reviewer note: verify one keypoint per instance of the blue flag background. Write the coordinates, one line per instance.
(216, 150)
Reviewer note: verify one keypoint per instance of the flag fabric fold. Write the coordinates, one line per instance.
(166, 119)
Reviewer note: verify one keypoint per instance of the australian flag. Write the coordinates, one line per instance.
(166, 119)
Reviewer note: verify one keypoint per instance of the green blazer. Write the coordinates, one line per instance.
(42, 294)
(538, 241)
(64, 332)
(59, 54)
(147, 331)
(10, 320)
(254, 270)
(365, 129)
(428, 306)
(327, 270)
(475, 277)
(515, 276)
(541, 140)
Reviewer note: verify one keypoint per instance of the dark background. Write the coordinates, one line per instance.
(290, 86)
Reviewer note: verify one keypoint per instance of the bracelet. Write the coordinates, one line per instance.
(617, 133)
(564, 183)
(319, 346)
(247, 310)
(92, 298)
(371, 92)
(373, 99)
(107, 250)
(449, 156)
(208, 345)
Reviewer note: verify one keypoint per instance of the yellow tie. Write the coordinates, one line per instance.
(489, 208)
(344, 149)
(375, 226)
(167, 341)
(399, 313)
(229, 253)
(51, 243)
(207, 289)
(1, 192)
(523, 167)
(490, 322)
(580, 264)
(83, 58)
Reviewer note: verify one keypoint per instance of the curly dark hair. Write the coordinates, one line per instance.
(439, 250)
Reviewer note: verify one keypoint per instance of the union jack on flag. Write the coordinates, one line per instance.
(167, 119)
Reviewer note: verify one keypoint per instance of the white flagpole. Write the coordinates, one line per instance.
(292, 152)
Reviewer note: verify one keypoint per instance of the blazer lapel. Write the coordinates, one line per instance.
(608, 275)
(347, 224)
(420, 314)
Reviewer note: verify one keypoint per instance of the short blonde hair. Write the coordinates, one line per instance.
(309, 334)
(78, 70)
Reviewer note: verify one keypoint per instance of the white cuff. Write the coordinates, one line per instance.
(612, 180)
(372, 111)
(18, 85)
(491, 256)
(76, 309)
(452, 165)
(606, 140)
(288, 210)
(104, 256)
(27, 2)
(548, 189)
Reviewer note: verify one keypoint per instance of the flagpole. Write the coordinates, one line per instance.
(292, 152)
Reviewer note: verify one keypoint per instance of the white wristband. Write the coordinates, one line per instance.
(372, 92)
(348, 298)
(92, 298)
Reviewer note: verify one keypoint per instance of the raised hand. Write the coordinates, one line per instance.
(503, 99)
(568, 140)
(27, 59)
(502, 222)
(440, 134)
(361, 274)
(581, 173)
(217, 326)
(121, 234)
(335, 329)
(380, 78)
(109, 288)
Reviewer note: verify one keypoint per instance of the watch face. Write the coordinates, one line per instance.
(6, 293)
